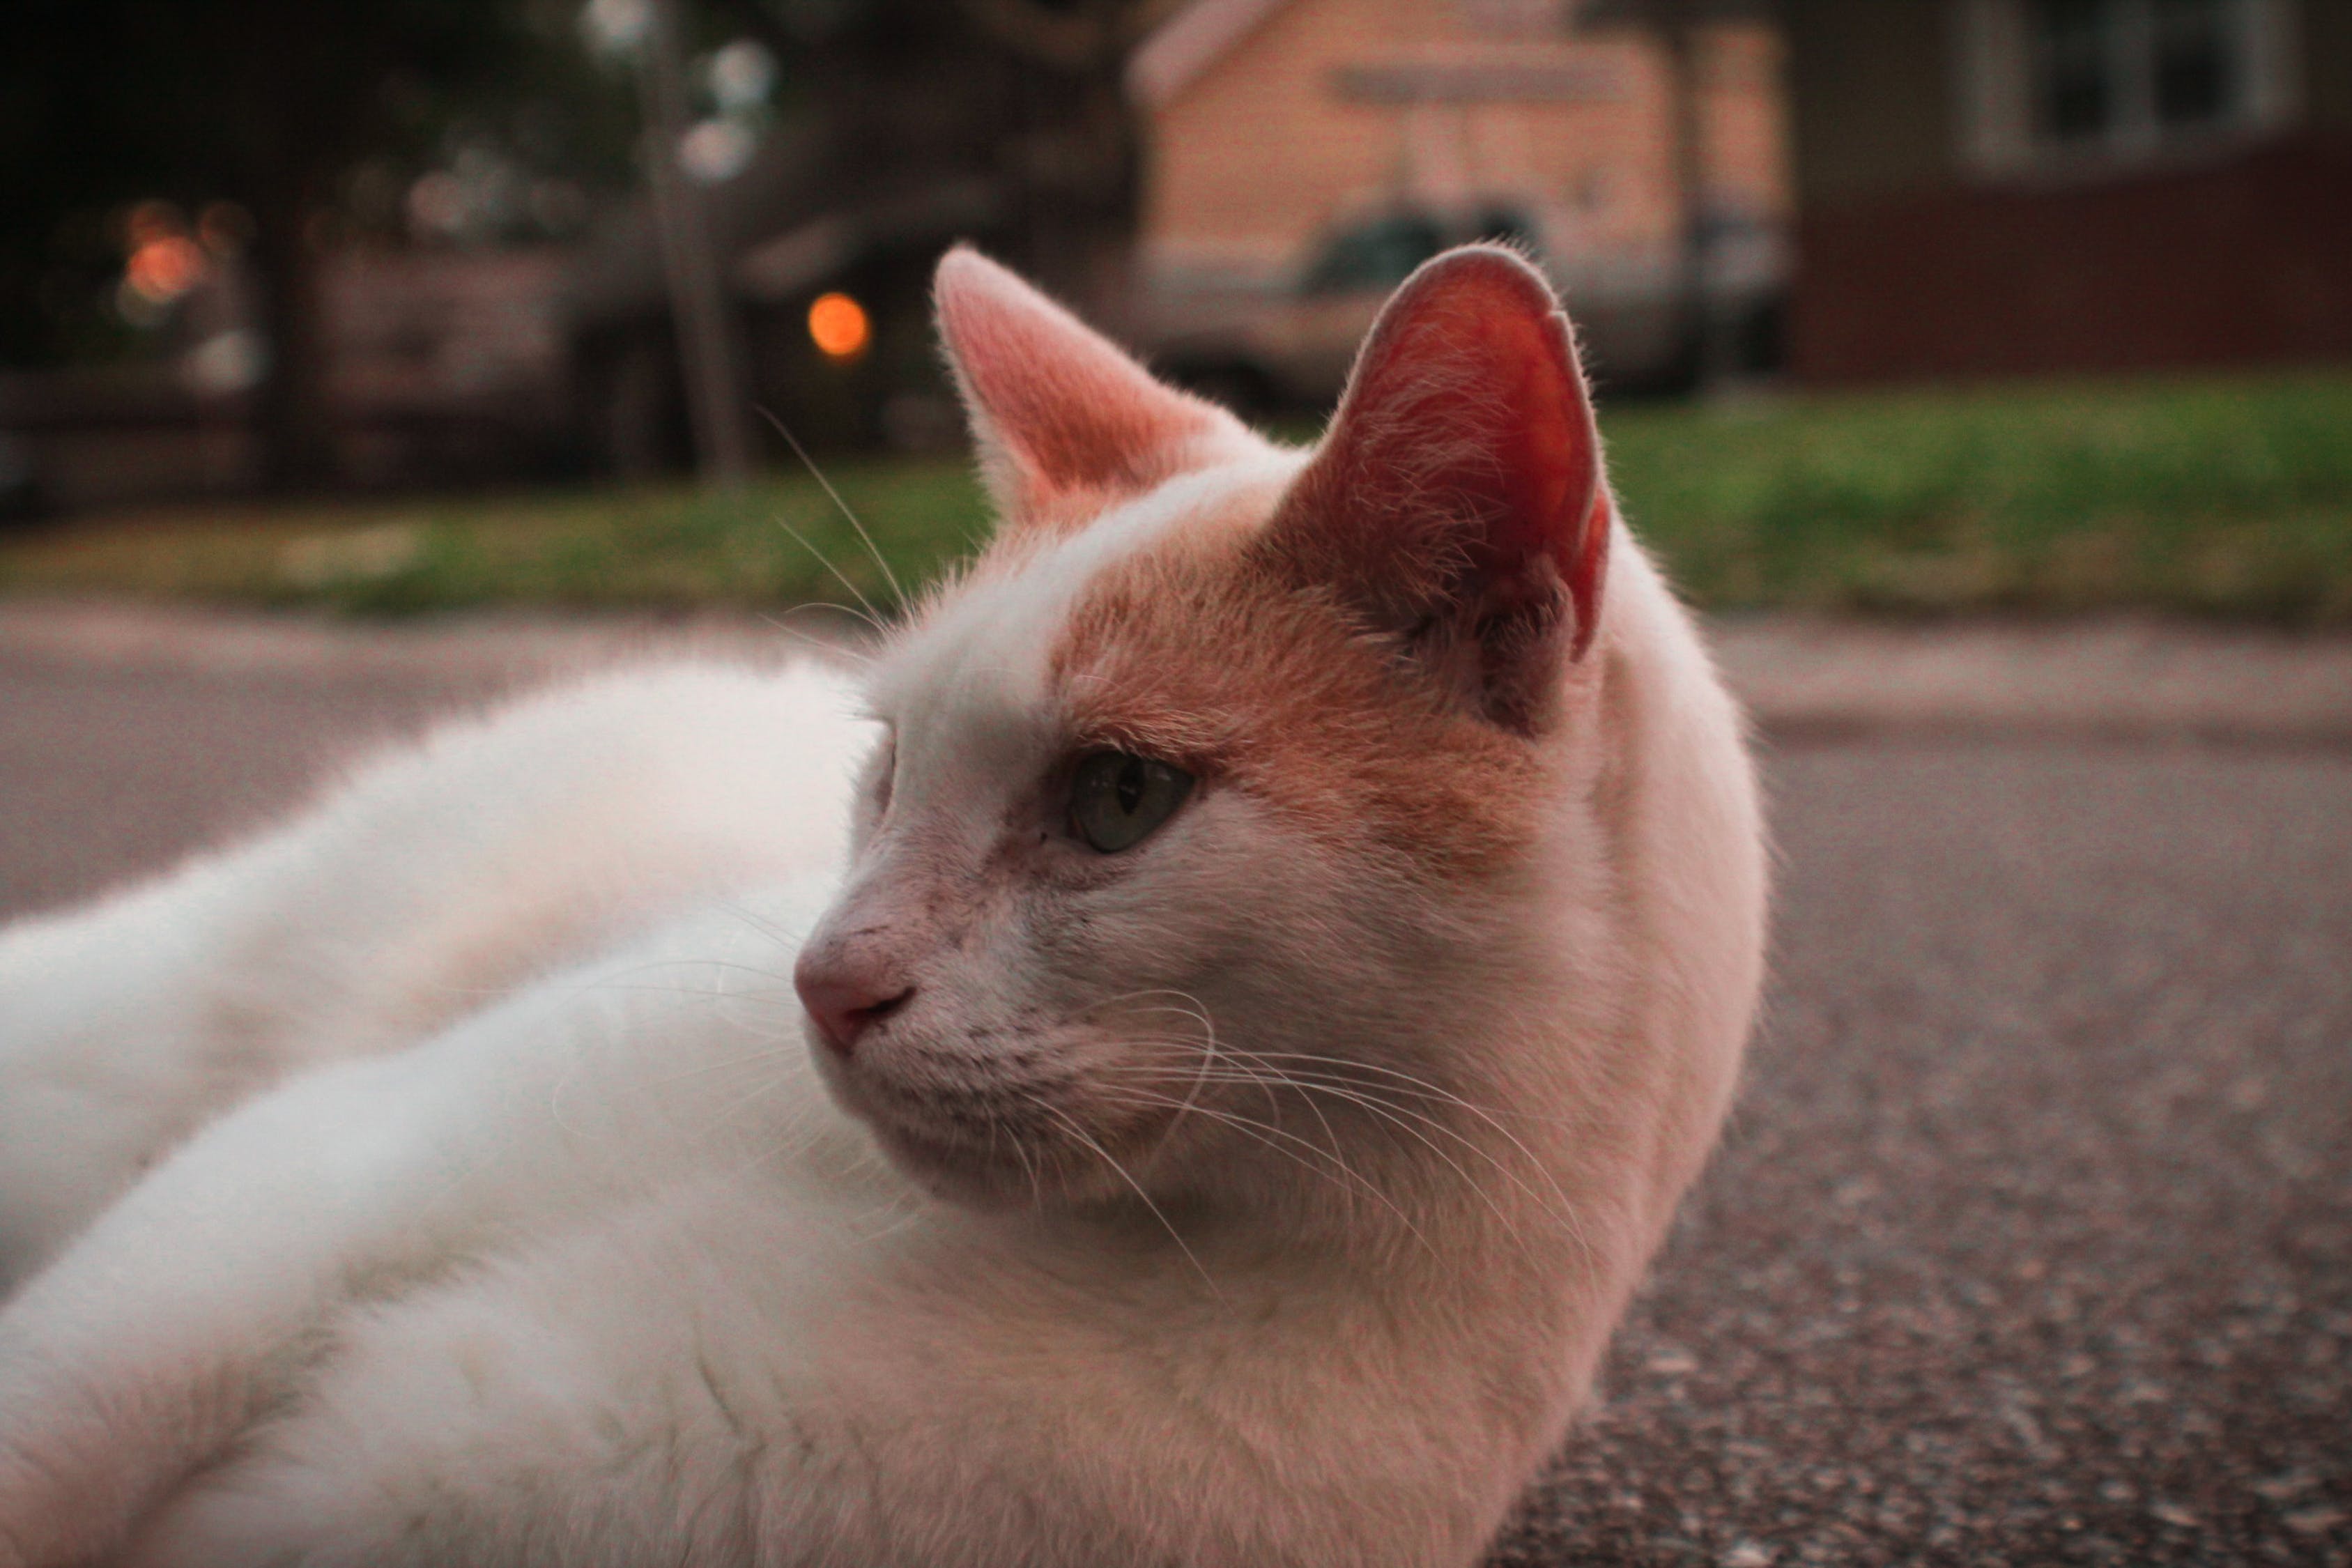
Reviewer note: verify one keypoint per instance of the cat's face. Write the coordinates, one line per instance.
(1223, 785)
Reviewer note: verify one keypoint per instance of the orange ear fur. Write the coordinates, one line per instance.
(1065, 420)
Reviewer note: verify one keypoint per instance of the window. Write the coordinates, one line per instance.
(2109, 67)
(2073, 96)
(2070, 82)
(2196, 67)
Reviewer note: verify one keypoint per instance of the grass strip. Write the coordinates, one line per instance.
(2226, 497)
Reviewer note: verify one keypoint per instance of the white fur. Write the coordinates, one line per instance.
(605, 1272)
(436, 880)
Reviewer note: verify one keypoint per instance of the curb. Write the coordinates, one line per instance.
(1801, 678)
(2116, 678)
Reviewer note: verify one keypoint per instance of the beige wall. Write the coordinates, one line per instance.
(1256, 160)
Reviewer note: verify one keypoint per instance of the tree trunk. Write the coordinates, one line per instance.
(1082, 198)
(1079, 174)
(295, 424)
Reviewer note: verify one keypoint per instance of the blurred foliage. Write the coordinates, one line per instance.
(272, 104)
(316, 116)
(2225, 496)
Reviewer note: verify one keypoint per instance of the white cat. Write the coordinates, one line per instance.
(1300, 927)
(431, 885)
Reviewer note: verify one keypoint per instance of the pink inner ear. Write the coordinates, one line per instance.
(1059, 410)
(1466, 435)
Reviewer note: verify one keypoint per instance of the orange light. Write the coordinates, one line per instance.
(838, 324)
(165, 267)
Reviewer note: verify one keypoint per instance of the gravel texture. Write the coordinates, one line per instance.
(2032, 1241)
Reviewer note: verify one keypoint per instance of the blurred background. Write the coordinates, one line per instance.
(1894, 305)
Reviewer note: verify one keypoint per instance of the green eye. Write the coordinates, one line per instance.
(1116, 800)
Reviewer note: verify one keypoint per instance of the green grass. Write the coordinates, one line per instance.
(2220, 496)
(2228, 497)
(782, 540)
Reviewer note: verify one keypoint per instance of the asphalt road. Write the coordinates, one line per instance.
(2032, 1241)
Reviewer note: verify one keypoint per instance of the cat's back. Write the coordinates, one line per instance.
(563, 819)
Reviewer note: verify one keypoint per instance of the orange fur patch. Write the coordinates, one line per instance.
(1203, 651)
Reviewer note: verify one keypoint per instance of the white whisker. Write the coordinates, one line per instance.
(872, 549)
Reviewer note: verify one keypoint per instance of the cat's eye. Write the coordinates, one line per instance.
(1117, 799)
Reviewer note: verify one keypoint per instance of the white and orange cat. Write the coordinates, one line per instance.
(1272, 945)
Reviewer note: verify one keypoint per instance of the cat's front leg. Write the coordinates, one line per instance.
(195, 1303)
(156, 1338)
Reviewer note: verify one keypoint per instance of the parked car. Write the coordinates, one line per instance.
(1290, 345)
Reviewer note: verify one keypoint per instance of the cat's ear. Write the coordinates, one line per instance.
(1456, 502)
(1064, 421)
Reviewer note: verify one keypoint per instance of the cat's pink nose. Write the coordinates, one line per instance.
(845, 1004)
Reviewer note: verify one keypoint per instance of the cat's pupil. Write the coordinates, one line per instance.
(1117, 799)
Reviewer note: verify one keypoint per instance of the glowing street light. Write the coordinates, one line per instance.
(838, 326)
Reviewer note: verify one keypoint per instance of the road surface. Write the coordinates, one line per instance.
(2032, 1241)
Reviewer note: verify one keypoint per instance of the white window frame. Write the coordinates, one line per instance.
(1993, 55)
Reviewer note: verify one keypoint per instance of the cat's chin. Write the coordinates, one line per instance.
(960, 1172)
(993, 1174)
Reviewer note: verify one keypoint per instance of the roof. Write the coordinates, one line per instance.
(1189, 43)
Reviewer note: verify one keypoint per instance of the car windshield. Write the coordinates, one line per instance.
(1377, 255)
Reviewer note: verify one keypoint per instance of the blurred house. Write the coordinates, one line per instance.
(1305, 154)
(442, 367)
(2004, 186)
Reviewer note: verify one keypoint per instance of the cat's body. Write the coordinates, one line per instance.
(1258, 1188)
(434, 882)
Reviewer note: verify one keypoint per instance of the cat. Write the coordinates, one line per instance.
(1201, 1088)
(434, 881)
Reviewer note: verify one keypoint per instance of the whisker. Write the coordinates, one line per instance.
(1396, 1116)
(1405, 1120)
(1408, 1082)
(1082, 1136)
(1564, 1214)
(1258, 1132)
(768, 1055)
(830, 648)
(872, 549)
(873, 615)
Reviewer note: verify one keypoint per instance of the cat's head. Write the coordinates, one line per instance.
(1226, 790)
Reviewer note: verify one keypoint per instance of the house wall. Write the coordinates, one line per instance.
(1909, 266)
(1256, 160)
(1870, 110)
(2328, 55)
